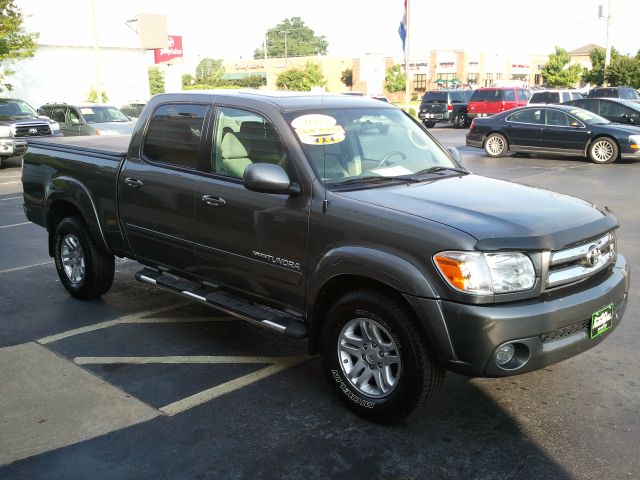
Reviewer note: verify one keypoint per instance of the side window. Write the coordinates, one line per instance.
(527, 116)
(566, 96)
(242, 138)
(611, 109)
(557, 118)
(72, 115)
(457, 97)
(524, 94)
(509, 95)
(174, 135)
(57, 114)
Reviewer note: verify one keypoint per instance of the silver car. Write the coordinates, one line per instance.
(88, 119)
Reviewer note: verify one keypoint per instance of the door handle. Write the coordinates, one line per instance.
(214, 201)
(133, 182)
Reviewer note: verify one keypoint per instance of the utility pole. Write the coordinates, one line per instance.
(407, 59)
(96, 51)
(607, 55)
(266, 71)
(286, 56)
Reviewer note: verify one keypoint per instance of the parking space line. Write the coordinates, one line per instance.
(98, 326)
(184, 359)
(9, 270)
(228, 387)
(9, 198)
(9, 183)
(15, 224)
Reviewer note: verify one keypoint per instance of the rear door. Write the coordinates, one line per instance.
(157, 188)
(523, 96)
(562, 131)
(495, 101)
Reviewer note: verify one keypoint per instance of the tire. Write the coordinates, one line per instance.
(429, 124)
(460, 121)
(373, 337)
(603, 150)
(496, 145)
(84, 270)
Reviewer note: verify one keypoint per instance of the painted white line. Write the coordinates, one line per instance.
(224, 388)
(24, 268)
(110, 323)
(9, 198)
(184, 319)
(9, 183)
(15, 225)
(185, 359)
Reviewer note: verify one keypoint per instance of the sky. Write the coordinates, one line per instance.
(232, 29)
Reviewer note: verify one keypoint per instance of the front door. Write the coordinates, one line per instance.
(254, 243)
(563, 132)
(158, 189)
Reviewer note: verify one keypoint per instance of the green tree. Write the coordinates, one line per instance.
(595, 76)
(301, 80)
(209, 71)
(347, 77)
(15, 43)
(301, 40)
(156, 80)
(558, 73)
(92, 96)
(187, 80)
(624, 71)
(395, 79)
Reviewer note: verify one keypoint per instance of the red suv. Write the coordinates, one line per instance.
(489, 101)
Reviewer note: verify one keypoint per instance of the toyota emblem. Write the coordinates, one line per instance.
(593, 256)
(33, 131)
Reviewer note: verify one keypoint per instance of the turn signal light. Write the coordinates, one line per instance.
(451, 269)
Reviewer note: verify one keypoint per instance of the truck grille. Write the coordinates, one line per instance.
(32, 130)
(581, 261)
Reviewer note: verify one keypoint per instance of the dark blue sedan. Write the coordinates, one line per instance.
(556, 130)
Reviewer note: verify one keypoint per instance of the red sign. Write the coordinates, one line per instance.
(172, 54)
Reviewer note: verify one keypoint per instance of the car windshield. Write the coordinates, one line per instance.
(588, 117)
(435, 97)
(102, 114)
(368, 145)
(16, 108)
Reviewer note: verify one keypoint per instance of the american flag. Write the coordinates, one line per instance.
(402, 30)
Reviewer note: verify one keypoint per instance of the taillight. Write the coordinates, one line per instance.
(472, 123)
(449, 108)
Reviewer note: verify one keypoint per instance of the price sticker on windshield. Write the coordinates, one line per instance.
(316, 129)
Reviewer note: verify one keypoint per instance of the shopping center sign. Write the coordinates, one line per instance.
(172, 54)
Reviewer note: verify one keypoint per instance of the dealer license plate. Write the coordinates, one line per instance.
(601, 321)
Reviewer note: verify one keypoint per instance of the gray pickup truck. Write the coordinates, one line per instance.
(18, 123)
(339, 220)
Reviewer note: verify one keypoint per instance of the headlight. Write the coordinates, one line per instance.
(55, 127)
(5, 132)
(486, 273)
(634, 140)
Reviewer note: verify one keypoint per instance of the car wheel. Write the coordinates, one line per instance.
(460, 121)
(84, 270)
(375, 357)
(429, 124)
(496, 145)
(603, 150)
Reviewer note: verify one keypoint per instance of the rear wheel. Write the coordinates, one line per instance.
(376, 359)
(460, 121)
(429, 124)
(496, 145)
(84, 270)
(603, 150)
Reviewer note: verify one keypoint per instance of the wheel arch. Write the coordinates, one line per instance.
(602, 135)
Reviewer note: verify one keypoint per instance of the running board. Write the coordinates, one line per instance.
(228, 303)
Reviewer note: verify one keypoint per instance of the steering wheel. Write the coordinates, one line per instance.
(388, 156)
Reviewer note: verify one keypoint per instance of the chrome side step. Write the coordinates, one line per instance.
(228, 303)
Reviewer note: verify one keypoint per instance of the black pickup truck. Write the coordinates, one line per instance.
(445, 106)
(339, 220)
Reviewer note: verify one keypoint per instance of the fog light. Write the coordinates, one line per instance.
(505, 354)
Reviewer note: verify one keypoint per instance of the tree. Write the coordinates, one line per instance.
(156, 80)
(395, 79)
(92, 96)
(595, 76)
(15, 43)
(188, 80)
(624, 71)
(347, 77)
(209, 71)
(557, 72)
(301, 40)
(301, 80)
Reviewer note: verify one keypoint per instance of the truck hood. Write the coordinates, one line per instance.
(13, 119)
(114, 128)
(497, 213)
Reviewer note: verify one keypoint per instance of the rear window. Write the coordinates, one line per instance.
(603, 93)
(488, 95)
(435, 97)
(541, 97)
(629, 94)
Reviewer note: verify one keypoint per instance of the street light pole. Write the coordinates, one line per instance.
(607, 54)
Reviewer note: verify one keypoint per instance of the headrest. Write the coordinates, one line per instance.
(232, 148)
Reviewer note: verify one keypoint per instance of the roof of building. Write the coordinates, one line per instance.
(586, 49)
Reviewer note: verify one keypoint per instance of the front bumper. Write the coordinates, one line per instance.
(629, 153)
(550, 328)
(10, 147)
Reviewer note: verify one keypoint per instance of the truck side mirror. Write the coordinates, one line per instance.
(268, 178)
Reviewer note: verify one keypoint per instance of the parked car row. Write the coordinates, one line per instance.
(88, 119)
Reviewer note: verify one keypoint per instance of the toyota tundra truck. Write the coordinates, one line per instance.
(301, 214)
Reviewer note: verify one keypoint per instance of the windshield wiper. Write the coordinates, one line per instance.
(373, 180)
(438, 169)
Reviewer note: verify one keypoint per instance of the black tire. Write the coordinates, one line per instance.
(603, 150)
(429, 124)
(417, 376)
(460, 121)
(98, 266)
(496, 145)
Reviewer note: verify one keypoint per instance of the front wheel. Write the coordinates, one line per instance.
(376, 358)
(496, 145)
(603, 150)
(84, 270)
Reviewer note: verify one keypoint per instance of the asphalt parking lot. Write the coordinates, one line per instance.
(142, 384)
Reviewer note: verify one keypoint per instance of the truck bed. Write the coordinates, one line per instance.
(108, 145)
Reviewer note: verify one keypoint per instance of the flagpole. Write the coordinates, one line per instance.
(407, 85)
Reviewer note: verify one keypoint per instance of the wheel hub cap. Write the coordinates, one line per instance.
(72, 258)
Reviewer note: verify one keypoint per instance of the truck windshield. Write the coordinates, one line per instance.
(16, 108)
(95, 114)
(435, 97)
(352, 144)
